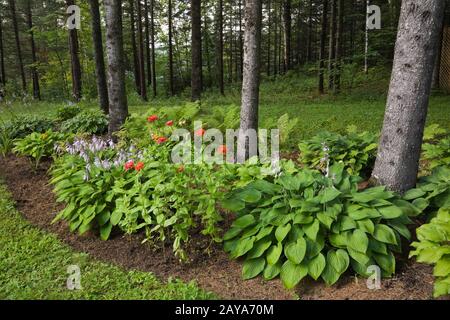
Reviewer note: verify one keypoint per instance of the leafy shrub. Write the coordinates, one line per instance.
(21, 126)
(437, 154)
(6, 141)
(433, 248)
(286, 126)
(67, 112)
(305, 223)
(38, 145)
(357, 151)
(88, 121)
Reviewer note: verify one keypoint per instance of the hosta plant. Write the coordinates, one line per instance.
(357, 151)
(304, 223)
(433, 247)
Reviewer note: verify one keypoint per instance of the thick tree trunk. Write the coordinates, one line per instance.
(152, 23)
(287, 33)
(171, 83)
(34, 73)
(339, 41)
(118, 108)
(196, 50)
(332, 47)
(102, 87)
(220, 47)
(323, 39)
(415, 53)
(250, 82)
(142, 79)
(75, 60)
(12, 5)
(2, 55)
(137, 77)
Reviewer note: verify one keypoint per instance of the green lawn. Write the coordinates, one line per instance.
(33, 265)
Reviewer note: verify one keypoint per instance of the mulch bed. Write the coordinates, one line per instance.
(213, 272)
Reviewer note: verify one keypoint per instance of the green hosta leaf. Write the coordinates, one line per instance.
(413, 194)
(366, 225)
(105, 231)
(282, 232)
(339, 240)
(362, 258)
(302, 218)
(272, 270)
(244, 221)
(316, 266)
(386, 262)
(441, 288)
(338, 259)
(116, 216)
(325, 219)
(347, 223)
(253, 267)
(233, 205)
(364, 213)
(312, 229)
(384, 234)
(377, 246)
(358, 241)
(291, 274)
(390, 212)
(264, 232)
(289, 182)
(230, 234)
(329, 275)
(250, 195)
(103, 217)
(442, 268)
(243, 246)
(421, 203)
(295, 251)
(274, 253)
(329, 194)
(259, 248)
(400, 228)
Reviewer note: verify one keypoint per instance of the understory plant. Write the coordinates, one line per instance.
(87, 121)
(357, 151)
(433, 247)
(304, 223)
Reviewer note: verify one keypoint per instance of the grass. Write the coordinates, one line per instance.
(33, 265)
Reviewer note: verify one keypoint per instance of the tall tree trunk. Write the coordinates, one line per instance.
(220, 47)
(12, 5)
(137, 77)
(241, 43)
(339, 41)
(398, 156)
(2, 55)
(332, 47)
(207, 46)
(250, 83)
(75, 60)
(309, 44)
(100, 74)
(287, 34)
(34, 73)
(142, 79)
(118, 108)
(152, 23)
(269, 34)
(323, 39)
(171, 82)
(275, 40)
(147, 43)
(196, 50)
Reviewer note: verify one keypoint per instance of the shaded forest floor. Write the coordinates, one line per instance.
(213, 272)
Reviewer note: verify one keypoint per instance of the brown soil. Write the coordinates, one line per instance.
(214, 272)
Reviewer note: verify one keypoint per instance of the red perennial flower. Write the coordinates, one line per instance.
(200, 132)
(129, 165)
(152, 118)
(169, 123)
(161, 140)
(139, 166)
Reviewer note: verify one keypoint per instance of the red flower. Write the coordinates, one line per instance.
(161, 140)
(222, 149)
(200, 132)
(169, 123)
(129, 165)
(180, 169)
(152, 118)
(139, 166)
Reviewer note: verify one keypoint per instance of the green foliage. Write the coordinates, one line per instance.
(303, 223)
(38, 145)
(357, 151)
(6, 141)
(21, 126)
(67, 112)
(433, 247)
(88, 121)
(437, 154)
(223, 117)
(286, 126)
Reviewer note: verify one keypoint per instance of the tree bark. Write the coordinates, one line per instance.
(398, 156)
(220, 47)
(137, 76)
(269, 34)
(171, 84)
(100, 74)
(332, 47)
(323, 39)
(250, 82)
(75, 60)
(309, 44)
(196, 50)
(141, 56)
(148, 57)
(339, 41)
(241, 43)
(152, 23)
(437, 65)
(12, 5)
(34, 73)
(118, 108)
(2, 55)
(287, 34)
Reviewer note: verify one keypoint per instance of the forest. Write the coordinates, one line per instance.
(225, 149)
